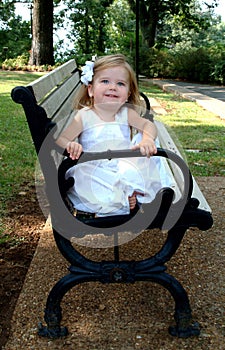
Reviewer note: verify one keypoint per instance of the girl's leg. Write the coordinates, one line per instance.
(132, 200)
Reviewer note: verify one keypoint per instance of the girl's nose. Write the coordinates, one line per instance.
(112, 86)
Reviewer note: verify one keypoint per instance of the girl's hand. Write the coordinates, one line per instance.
(74, 149)
(147, 147)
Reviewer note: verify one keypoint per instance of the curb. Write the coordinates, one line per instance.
(213, 105)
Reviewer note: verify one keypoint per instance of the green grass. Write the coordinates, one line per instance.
(200, 133)
(17, 155)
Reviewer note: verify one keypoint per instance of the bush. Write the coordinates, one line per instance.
(18, 63)
(203, 65)
(155, 63)
(21, 63)
(218, 74)
(218, 71)
(191, 64)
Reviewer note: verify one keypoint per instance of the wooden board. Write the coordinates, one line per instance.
(167, 142)
(61, 99)
(50, 81)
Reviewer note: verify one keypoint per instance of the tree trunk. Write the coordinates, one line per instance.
(42, 33)
(149, 16)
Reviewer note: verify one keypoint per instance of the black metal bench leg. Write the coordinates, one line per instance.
(53, 315)
(185, 327)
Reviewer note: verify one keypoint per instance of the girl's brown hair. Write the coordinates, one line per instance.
(82, 98)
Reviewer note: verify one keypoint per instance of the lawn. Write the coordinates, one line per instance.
(199, 134)
(17, 156)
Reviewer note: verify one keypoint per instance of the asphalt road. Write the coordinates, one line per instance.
(217, 92)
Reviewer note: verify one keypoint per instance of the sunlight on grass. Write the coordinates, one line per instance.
(17, 153)
(196, 129)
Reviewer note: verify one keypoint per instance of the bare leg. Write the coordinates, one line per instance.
(132, 200)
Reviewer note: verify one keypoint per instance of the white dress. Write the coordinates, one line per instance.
(103, 186)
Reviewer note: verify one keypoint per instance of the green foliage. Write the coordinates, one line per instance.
(18, 63)
(193, 64)
(120, 29)
(190, 54)
(204, 64)
(7, 9)
(21, 63)
(218, 75)
(15, 34)
(216, 51)
(89, 20)
(100, 27)
(189, 42)
(155, 63)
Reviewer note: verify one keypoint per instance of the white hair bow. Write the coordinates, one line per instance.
(87, 72)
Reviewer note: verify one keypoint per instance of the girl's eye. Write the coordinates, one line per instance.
(120, 83)
(105, 81)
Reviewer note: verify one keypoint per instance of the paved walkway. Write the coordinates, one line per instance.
(129, 316)
(209, 97)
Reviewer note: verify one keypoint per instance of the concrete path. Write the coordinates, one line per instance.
(209, 97)
(129, 316)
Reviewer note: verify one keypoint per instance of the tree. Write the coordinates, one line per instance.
(153, 14)
(89, 25)
(42, 33)
(7, 9)
(15, 37)
(121, 28)
(41, 50)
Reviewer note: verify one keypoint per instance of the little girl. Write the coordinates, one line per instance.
(107, 105)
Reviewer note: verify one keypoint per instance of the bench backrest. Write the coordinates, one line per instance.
(55, 91)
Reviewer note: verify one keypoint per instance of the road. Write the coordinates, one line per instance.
(217, 92)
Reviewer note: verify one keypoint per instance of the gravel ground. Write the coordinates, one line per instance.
(130, 317)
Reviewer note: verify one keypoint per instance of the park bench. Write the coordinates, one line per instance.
(47, 103)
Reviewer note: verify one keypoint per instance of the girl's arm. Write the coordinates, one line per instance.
(149, 132)
(66, 138)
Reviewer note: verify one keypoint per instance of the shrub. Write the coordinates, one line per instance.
(21, 63)
(18, 63)
(193, 64)
(204, 64)
(155, 63)
(218, 70)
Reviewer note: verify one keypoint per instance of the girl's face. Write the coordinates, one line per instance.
(110, 85)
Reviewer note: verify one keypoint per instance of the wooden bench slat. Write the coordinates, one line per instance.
(60, 98)
(198, 194)
(64, 112)
(174, 185)
(167, 142)
(46, 83)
